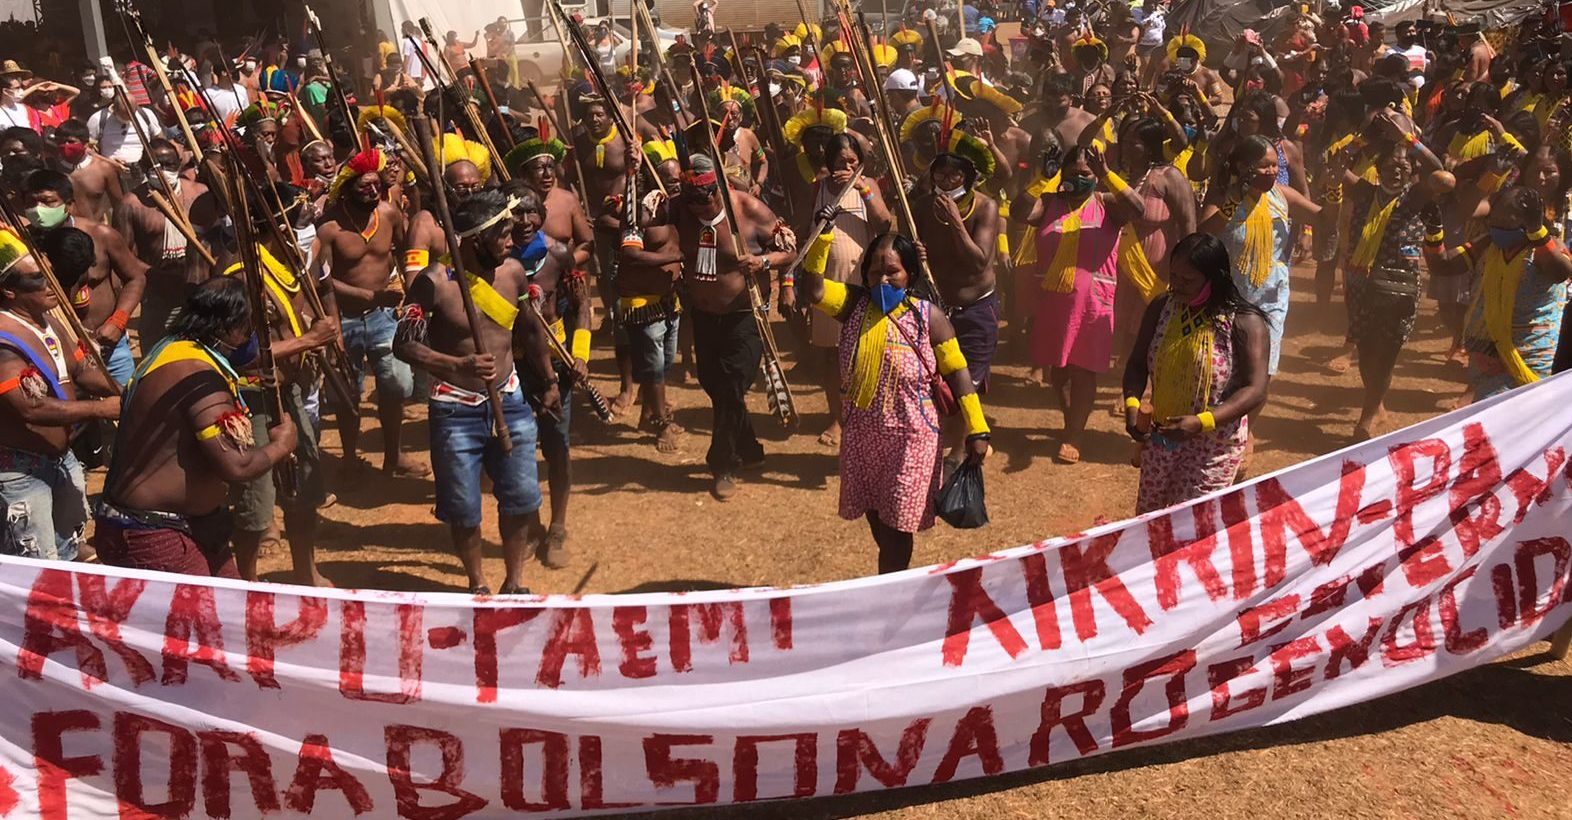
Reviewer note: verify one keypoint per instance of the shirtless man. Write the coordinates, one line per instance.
(41, 483)
(648, 271)
(959, 226)
(357, 236)
(95, 179)
(725, 338)
(843, 91)
(565, 305)
(1056, 112)
(536, 162)
(434, 334)
(176, 269)
(113, 286)
(426, 243)
(742, 155)
(183, 439)
(295, 331)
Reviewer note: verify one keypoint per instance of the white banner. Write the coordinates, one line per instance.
(1349, 577)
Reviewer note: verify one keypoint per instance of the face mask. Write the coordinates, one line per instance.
(304, 237)
(794, 59)
(300, 62)
(171, 178)
(1189, 133)
(1507, 237)
(1202, 297)
(73, 152)
(1185, 65)
(1079, 186)
(251, 65)
(1263, 182)
(245, 354)
(955, 193)
(888, 297)
(106, 93)
(47, 216)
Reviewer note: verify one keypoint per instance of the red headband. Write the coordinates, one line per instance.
(699, 180)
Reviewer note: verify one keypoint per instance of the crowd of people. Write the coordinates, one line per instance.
(205, 254)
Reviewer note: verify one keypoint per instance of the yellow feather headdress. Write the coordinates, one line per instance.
(833, 118)
(1186, 41)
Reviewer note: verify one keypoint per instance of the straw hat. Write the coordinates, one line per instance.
(10, 68)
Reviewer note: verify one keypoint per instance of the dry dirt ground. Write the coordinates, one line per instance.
(1494, 742)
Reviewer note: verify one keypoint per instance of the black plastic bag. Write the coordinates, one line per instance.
(960, 501)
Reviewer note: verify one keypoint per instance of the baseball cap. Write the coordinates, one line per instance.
(901, 80)
(966, 46)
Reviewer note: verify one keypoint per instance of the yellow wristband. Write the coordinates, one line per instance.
(1208, 421)
(208, 433)
(1113, 183)
(948, 353)
(581, 344)
(1132, 403)
(834, 299)
(971, 410)
(1539, 235)
(416, 260)
(818, 253)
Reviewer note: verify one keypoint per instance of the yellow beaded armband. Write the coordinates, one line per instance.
(581, 344)
(1208, 421)
(416, 260)
(1539, 235)
(818, 253)
(1132, 403)
(948, 353)
(971, 410)
(208, 433)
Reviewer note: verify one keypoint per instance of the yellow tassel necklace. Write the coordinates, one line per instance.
(1182, 375)
(868, 363)
(1060, 276)
(1258, 254)
(1373, 231)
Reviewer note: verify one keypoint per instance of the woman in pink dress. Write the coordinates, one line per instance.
(1078, 243)
(892, 343)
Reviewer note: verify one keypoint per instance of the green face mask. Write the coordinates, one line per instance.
(1078, 186)
(47, 216)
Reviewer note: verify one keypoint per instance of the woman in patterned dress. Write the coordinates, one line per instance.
(1252, 212)
(1203, 347)
(1522, 271)
(862, 216)
(892, 342)
(1072, 331)
(1382, 282)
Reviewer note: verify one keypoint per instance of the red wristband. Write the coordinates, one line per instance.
(119, 319)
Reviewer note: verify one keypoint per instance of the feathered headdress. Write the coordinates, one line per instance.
(728, 93)
(645, 81)
(454, 148)
(257, 113)
(368, 161)
(1090, 40)
(532, 149)
(906, 37)
(373, 113)
(969, 148)
(928, 113)
(831, 118)
(884, 55)
(12, 249)
(786, 43)
(802, 32)
(973, 90)
(1186, 40)
(660, 151)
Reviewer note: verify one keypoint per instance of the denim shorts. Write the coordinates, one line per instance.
(653, 348)
(252, 501)
(118, 360)
(45, 501)
(462, 444)
(551, 432)
(370, 337)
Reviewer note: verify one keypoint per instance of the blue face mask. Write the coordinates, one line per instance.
(534, 251)
(1189, 133)
(1507, 237)
(888, 297)
(245, 354)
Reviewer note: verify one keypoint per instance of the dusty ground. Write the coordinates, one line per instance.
(1495, 742)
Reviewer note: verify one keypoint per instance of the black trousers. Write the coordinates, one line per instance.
(728, 348)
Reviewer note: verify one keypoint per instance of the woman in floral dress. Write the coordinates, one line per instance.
(892, 342)
(1205, 352)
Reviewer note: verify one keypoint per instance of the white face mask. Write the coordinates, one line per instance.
(300, 62)
(171, 178)
(106, 93)
(794, 59)
(251, 65)
(955, 193)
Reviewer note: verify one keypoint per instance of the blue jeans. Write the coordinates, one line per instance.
(462, 444)
(119, 361)
(45, 500)
(370, 338)
(653, 349)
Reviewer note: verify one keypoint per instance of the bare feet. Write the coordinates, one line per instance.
(311, 578)
(1068, 454)
(407, 467)
(1034, 377)
(831, 437)
(553, 550)
(724, 488)
(1458, 356)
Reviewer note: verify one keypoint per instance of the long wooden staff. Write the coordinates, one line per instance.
(820, 225)
(340, 99)
(168, 203)
(85, 340)
(778, 389)
(491, 100)
(465, 101)
(305, 117)
(556, 127)
(770, 118)
(445, 218)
